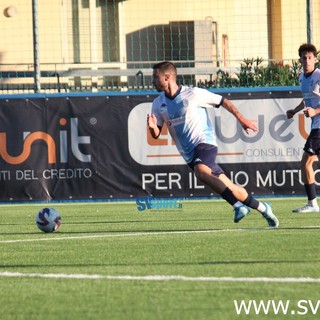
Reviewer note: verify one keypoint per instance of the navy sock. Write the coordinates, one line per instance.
(251, 202)
(229, 196)
(311, 191)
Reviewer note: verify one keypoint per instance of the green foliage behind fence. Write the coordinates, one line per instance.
(252, 72)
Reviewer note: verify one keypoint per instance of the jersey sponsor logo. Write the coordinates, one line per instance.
(176, 121)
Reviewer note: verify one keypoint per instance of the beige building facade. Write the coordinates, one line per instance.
(135, 33)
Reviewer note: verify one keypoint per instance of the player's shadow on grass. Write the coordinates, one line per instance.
(203, 263)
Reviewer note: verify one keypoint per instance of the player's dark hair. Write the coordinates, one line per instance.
(166, 66)
(307, 47)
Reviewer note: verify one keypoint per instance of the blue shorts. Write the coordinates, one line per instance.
(206, 154)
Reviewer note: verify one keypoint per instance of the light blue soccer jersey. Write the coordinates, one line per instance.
(310, 88)
(186, 118)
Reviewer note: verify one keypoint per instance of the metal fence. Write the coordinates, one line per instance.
(111, 45)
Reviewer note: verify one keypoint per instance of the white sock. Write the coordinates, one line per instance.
(261, 207)
(313, 202)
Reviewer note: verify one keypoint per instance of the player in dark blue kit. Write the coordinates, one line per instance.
(183, 109)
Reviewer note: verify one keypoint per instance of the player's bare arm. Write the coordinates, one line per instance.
(292, 112)
(152, 126)
(245, 123)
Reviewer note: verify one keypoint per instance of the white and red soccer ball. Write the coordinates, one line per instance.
(48, 220)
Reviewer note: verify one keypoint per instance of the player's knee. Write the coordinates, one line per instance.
(307, 164)
(201, 175)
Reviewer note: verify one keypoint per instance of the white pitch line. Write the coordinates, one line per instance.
(150, 233)
(136, 234)
(158, 278)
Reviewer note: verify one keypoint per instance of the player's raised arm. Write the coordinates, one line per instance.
(245, 123)
(290, 113)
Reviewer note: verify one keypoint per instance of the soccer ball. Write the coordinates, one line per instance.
(48, 220)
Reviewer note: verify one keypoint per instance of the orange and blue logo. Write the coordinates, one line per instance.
(31, 137)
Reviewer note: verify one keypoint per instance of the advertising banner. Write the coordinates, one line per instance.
(92, 147)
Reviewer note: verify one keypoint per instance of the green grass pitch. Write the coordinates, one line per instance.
(111, 261)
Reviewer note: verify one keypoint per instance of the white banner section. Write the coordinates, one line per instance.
(278, 139)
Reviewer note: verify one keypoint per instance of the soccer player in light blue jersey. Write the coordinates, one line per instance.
(183, 110)
(310, 104)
